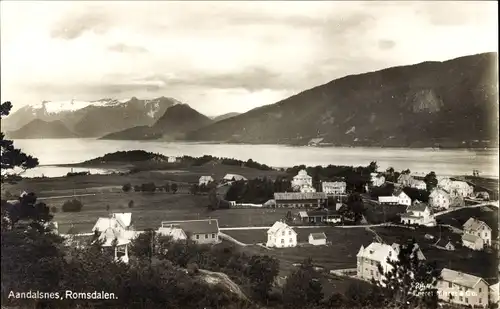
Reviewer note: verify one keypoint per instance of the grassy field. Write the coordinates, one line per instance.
(48, 186)
(339, 253)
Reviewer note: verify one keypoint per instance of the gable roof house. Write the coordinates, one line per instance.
(474, 229)
(418, 213)
(203, 231)
(280, 235)
(233, 177)
(463, 289)
(377, 179)
(398, 197)
(445, 244)
(439, 198)
(116, 231)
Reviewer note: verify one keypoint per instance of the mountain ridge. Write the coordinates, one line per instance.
(421, 105)
(38, 128)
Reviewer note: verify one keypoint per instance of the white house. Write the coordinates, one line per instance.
(334, 187)
(418, 213)
(377, 179)
(280, 235)
(462, 289)
(397, 198)
(172, 159)
(317, 239)
(369, 258)
(116, 231)
(405, 180)
(473, 242)
(301, 179)
(439, 198)
(445, 245)
(203, 231)
(455, 187)
(233, 177)
(205, 180)
(479, 229)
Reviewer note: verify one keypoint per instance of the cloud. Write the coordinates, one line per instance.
(72, 26)
(124, 48)
(386, 44)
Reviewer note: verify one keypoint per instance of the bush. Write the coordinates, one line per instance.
(137, 188)
(127, 187)
(131, 204)
(53, 209)
(72, 206)
(148, 187)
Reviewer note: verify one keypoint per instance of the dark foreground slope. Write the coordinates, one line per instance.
(448, 104)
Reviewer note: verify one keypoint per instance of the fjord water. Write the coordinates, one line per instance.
(443, 161)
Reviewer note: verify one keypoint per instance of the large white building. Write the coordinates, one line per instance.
(334, 187)
(369, 259)
(455, 187)
(203, 231)
(462, 289)
(280, 235)
(301, 180)
(439, 199)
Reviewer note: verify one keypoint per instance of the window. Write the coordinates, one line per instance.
(450, 285)
(197, 236)
(371, 272)
(480, 290)
(289, 232)
(206, 236)
(460, 288)
(282, 240)
(480, 300)
(460, 298)
(213, 235)
(283, 233)
(291, 240)
(466, 300)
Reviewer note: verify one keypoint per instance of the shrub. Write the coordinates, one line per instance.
(72, 206)
(53, 209)
(127, 187)
(137, 188)
(148, 187)
(131, 204)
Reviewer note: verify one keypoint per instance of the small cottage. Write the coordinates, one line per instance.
(317, 239)
(445, 245)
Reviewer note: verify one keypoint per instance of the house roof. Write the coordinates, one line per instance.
(474, 224)
(206, 178)
(437, 191)
(417, 207)
(279, 226)
(234, 176)
(333, 183)
(317, 236)
(302, 173)
(299, 195)
(174, 232)
(204, 226)
(303, 214)
(122, 220)
(111, 234)
(443, 243)
(376, 251)
(470, 238)
(460, 278)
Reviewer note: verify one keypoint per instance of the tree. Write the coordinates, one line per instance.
(373, 167)
(148, 187)
(131, 204)
(143, 245)
(410, 281)
(166, 187)
(213, 200)
(262, 271)
(73, 205)
(356, 206)
(108, 207)
(137, 188)
(289, 216)
(174, 187)
(12, 157)
(127, 187)
(431, 181)
(302, 288)
(53, 209)
(406, 172)
(194, 189)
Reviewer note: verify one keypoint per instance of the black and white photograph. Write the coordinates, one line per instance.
(249, 154)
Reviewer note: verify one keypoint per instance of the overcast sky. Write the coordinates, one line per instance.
(222, 56)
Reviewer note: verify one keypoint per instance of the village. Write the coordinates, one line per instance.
(320, 220)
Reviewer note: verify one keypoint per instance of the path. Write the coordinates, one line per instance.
(57, 197)
(231, 239)
(491, 203)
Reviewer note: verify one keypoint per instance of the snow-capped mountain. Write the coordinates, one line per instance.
(92, 118)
